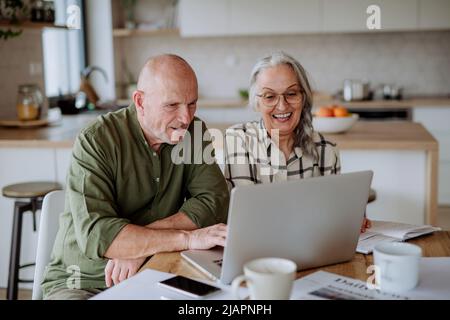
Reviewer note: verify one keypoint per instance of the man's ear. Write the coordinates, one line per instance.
(138, 99)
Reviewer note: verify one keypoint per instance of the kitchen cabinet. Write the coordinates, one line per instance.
(204, 17)
(248, 17)
(274, 17)
(434, 14)
(255, 17)
(436, 120)
(351, 16)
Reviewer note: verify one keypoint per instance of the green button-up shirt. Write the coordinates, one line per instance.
(115, 178)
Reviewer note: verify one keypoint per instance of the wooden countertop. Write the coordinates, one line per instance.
(370, 135)
(61, 134)
(364, 135)
(398, 135)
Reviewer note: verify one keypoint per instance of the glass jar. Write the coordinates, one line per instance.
(37, 11)
(49, 11)
(29, 102)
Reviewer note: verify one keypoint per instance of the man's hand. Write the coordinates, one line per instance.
(118, 270)
(365, 225)
(208, 237)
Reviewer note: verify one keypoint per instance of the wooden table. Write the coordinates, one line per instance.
(434, 245)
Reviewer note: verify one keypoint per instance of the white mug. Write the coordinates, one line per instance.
(267, 279)
(397, 266)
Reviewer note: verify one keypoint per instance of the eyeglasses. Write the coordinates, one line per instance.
(270, 99)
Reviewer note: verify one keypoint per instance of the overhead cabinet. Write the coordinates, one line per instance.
(351, 15)
(269, 17)
(274, 17)
(434, 14)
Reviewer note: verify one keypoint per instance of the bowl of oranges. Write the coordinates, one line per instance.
(333, 119)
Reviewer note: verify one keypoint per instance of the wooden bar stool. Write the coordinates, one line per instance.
(35, 192)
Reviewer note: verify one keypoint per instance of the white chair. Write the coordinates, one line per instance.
(52, 207)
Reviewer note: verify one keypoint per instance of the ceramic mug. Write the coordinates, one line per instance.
(267, 279)
(397, 266)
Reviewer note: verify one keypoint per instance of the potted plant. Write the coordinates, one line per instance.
(128, 6)
(11, 13)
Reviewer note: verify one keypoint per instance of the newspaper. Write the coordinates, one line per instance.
(434, 283)
(385, 231)
(324, 285)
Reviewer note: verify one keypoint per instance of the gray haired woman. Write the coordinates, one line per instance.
(282, 145)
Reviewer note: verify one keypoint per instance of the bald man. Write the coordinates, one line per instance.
(126, 199)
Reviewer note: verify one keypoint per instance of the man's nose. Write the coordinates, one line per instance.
(184, 115)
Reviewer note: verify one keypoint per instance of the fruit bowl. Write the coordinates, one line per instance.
(334, 124)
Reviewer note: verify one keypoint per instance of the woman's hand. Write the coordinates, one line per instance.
(365, 225)
(118, 270)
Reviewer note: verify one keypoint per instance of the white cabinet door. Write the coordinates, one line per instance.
(436, 120)
(434, 14)
(398, 14)
(433, 118)
(351, 15)
(275, 17)
(204, 17)
(63, 158)
(444, 182)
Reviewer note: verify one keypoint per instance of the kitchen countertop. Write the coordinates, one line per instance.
(373, 135)
(61, 134)
(396, 135)
(364, 135)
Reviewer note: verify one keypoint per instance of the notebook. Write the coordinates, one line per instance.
(385, 231)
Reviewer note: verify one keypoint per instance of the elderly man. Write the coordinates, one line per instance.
(126, 199)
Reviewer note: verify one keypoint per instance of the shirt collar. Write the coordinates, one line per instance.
(135, 125)
(264, 138)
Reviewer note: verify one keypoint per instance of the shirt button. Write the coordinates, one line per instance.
(154, 154)
(157, 179)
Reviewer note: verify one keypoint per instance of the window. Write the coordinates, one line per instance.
(64, 52)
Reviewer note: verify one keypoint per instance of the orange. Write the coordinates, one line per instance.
(325, 112)
(340, 112)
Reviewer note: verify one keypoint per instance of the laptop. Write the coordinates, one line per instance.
(314, 222)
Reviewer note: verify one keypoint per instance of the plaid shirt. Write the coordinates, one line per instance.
(252, 157)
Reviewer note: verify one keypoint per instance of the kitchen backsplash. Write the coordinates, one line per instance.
(21, 62)
(418, 61)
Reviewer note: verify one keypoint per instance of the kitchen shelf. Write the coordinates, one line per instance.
(30, 25)
(143, 32)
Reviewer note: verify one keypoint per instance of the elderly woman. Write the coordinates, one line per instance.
(283, 144)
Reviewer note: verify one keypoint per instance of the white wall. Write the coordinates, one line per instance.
(417, 61)
(20, 63)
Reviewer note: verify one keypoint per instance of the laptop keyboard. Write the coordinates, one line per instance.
(218, 262)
